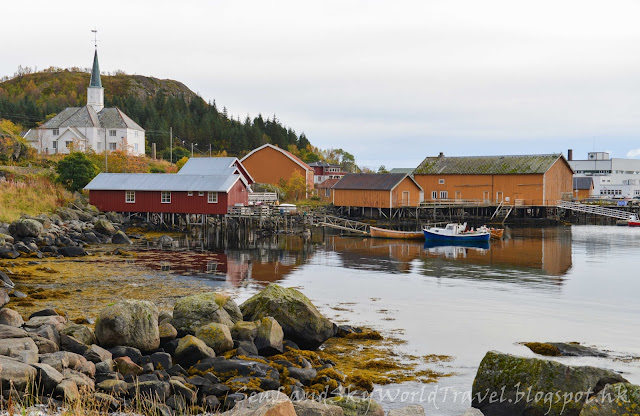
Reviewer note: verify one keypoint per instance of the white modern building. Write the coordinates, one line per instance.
(91, 127)
(612, 177)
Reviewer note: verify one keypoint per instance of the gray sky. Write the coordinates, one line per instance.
(390, 82)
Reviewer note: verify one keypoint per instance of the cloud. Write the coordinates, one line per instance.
(633, 153)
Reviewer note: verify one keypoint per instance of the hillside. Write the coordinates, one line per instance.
(155, 104)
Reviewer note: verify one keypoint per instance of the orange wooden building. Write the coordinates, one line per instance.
(270, 164)
(533, 180)
(325, 190)
(377, 190)
(582, 187)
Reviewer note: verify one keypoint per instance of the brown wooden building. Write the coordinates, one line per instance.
(377, 190)
(325, 190)
(270, 164)
(582, 187)
(534, 180)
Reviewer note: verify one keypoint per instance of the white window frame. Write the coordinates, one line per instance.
(327, 192)
(135, 147)
(113, 133)
(441, 181)
(201, 193)
(56, 132)
(113, 146)
(211, 199)
(434, 194)
(130, 197)
(190, 193)
(163, 197)
(68, 144)
(444, 194)
(54, 145)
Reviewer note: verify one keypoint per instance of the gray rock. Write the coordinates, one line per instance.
(508, 376)
(301, 321)
(269, 337)
(167, 332)
(15, 374)
(411, 410)
(82, 333)
(614, 399)
(9, 316)
(104, 227)
(304, 375)
(47, 377)
(121, 238)
(241, 368)
(8, 331)
(473, 412)
(9, 252)
(244, 331)
(314, 408)
(180, 389)
(126, 351)
(158, 390)
(192, 312)
(268, 402)
(21, 349)
(164, 241)
(114, 387)
(161, 360)
(69, 343)
(106, 401)
(81, 379)
(46, 331)
(5, 281)
(68, 360)
(132, 322)
(4, 297)
(191, 350)
(354, 406)
(26, 228)
(44, 345)
(216, 336)
(97, 354)
(58, 322)
(67, 390)
(72, 251)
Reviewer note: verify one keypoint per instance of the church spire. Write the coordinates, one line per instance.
(95, 72)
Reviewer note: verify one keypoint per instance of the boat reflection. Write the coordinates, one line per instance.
(455, 250)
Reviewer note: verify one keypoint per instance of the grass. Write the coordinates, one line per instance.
(30, 195)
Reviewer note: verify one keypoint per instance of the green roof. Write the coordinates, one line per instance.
(487, 165)
(95, 72)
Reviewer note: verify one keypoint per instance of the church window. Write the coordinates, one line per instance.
(56, 132)
(112, 133)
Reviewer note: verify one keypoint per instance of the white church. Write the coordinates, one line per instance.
(91, 127)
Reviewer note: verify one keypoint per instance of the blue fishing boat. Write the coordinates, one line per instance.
(456, 232)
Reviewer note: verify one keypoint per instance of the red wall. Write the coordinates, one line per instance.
(149, 201)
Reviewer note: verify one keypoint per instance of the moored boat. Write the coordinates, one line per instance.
(376, 232)
(496, 233)
(633, 221)
(456, 232)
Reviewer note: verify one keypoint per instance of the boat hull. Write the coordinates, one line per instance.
(401, 235)
(635, 223)
(479, 236)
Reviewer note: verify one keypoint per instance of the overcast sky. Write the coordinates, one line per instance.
(390, 82)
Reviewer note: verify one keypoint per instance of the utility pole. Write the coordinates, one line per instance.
(191, 149)
(106, 169)
(170, 144)
(209, 149)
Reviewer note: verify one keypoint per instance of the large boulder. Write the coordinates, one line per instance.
(301, 322)
(509, 385)
(9, 316)
(26, 228)
(190, 350)
(15, 374)
(4, 297)
(121, 238)
(614, 399)
(192, 312)
(72, 251)
(82, 333)
(132, 323)
(21, 349)
(103, 226)
(270, 337)
(216, 336)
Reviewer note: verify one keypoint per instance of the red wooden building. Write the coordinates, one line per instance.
(168, 193)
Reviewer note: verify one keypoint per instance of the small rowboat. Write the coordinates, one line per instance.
(496, 233)
(402, 235)
(456, 232)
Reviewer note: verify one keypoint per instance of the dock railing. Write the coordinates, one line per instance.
(596, 210)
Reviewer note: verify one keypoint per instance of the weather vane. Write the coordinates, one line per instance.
(95, 37)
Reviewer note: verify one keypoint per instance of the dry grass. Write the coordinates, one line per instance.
(31, 195)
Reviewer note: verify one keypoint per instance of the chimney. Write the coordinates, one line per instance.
(441, 154)
(570, 154)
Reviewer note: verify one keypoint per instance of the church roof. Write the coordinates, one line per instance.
(95, 72)
(107, 118)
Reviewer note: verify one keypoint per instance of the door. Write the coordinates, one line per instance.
(485, 196)
(405, 198)
(499, 196)
(458, 195)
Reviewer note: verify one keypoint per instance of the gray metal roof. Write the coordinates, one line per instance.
(209, 166)
(582, 182)
(161, 182)
(370, 181)
(107, 118)
(401, 170)
(95, 72)
(487, 165)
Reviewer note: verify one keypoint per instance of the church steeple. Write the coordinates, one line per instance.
(95, 92)
(95, 72)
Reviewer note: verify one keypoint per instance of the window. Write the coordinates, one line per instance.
(434, 195)
(200, 193)
(130, 197)
(190, 193)
(444, 194)
(327, 192)
(67, 144)
(113, 146)
(212, 198)
(54, 145)
(441, 181)
(112, 133)
(56, 132)
(135, 147)
(165, 197)
(99, 145)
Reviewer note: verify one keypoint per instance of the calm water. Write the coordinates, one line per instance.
(575, 283)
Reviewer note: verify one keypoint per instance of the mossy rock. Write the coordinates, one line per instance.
(192, 312)
(510, 378)
(216, 336)
(543, 348)
(190, 350)
(104, 227)
(614, 399)
(354, 406)
(300, 320)
(26, 228)
(132, 323)
(244, 331)
(82, 333)
(270, 337)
